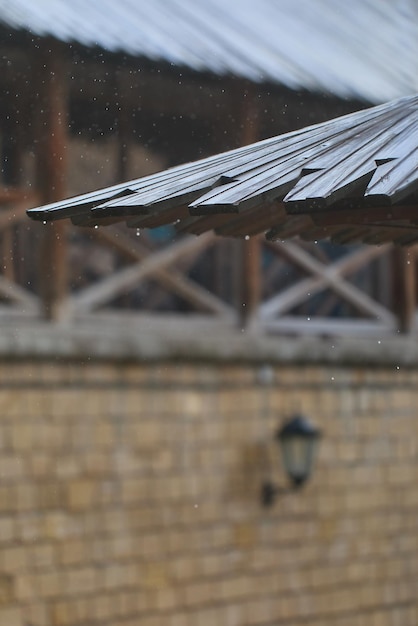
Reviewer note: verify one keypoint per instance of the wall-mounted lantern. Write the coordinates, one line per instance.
(298, 441)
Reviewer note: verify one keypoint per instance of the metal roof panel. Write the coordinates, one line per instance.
(365, 49)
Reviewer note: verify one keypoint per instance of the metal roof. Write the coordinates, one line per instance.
(351, 178)
(366, 49)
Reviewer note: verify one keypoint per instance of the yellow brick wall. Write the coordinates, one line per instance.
(129, 495)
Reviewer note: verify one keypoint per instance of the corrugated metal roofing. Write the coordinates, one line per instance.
(365, 49)
(354, 177)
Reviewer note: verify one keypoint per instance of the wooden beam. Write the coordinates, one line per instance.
(379, 216)
(250, 277)
(326, 327)
(50, 90)
(12, 168)
(405, 287)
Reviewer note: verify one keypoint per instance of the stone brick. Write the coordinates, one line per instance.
(59, 525)
(7, 589)
(11, 467)
(154, 575)
(81, 494)
(25, 587)
(26, 495)
(41, 556)
(11, 405)
(50, 495)
(23, 436)
(62, 613)
(11, 616)
(245, 535)
(50, 584)
(8, 499)
(74, 551)
(83, 580)
(35, 614)
(180, 618)
(67, 466)
(13, 559)
(8, 529)
(40, 464)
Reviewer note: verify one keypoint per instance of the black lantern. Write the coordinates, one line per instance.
(298, 440)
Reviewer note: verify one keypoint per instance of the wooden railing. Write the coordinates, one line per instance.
(289, 287)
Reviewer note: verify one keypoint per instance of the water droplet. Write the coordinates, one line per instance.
(96, 226)
(138, 232)
(247, 237)
(44, 222)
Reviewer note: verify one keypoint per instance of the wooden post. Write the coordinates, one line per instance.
(250, 249)
(11, 159)
(404, 287)
(51, 136)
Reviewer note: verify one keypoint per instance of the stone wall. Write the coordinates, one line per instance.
(129, 495)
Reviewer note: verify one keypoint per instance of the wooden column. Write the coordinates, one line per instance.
(50, 85)
(12, 174)
(404, 287)
(250, 249)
